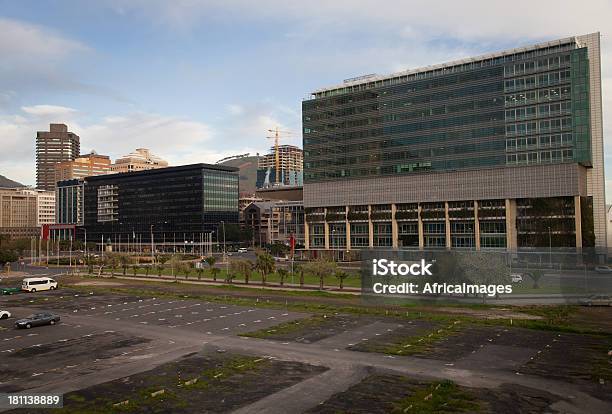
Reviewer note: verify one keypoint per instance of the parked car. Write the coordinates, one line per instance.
(596, 300)
(38, 319)
(603, 269)
(11, 290)
(33, 284)
(516, 277)
(4, 314)
(242, 250)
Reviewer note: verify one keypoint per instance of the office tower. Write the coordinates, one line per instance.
(500, 151)
(52, 147)
(173, 204)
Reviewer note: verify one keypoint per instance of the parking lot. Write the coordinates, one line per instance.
(97, 332)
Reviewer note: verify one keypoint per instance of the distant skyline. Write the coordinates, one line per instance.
(196, 81)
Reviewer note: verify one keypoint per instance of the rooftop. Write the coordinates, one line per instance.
(460, 65)
(164, 170)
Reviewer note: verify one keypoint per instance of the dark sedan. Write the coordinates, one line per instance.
(38, 319)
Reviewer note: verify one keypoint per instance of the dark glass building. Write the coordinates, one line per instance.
(174, 204)
(502, 151)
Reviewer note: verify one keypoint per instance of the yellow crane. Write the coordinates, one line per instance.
(276, 137)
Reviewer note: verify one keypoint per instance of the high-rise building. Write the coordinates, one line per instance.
(497, 151)
(173, 204)
(52, 147)
(290, 161)
(24, 210)
(83, 166)
(139, 160)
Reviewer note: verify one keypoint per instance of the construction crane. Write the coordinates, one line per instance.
(277, 136)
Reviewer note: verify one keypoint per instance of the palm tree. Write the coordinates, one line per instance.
(282, 274)
(211, 260)
(125, 261)
(214, 271)
(135, 269)
(341, 275)
(200, 271)
(265, 265)
(300, 269)
(320, 268)
(160, 269)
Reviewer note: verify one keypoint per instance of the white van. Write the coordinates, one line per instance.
(33, 284)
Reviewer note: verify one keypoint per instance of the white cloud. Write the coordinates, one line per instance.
(48, 111)
(26, 42)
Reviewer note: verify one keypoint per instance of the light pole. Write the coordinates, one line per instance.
(224, 257)
(334, 243)
(152, 245)
(549, 247)
(85, 231)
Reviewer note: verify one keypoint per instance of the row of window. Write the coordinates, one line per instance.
(555, 140)
(543, 126)
(542, 95)
(540, 64)
(537, 81)
(486, 241)
(539, 111)
(540, 157)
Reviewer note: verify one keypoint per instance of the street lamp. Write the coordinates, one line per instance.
(335, 245)
(549, 247)
(152, 245)
(224, 257)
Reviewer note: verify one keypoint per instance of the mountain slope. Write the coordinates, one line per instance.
(5, 182)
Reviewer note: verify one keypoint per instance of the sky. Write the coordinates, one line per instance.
(199, 80)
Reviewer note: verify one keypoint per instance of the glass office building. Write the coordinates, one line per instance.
(497, 151)
(173, 204)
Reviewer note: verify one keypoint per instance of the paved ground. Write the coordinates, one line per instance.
(105, 337)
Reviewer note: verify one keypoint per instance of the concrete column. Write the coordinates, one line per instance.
(511, 236)
(578, 220)
(326, 227)
(394, 230)
(306, 234)
(370, 227)
(420, 226)
(348, 230)
(447, 226)
(476, 226)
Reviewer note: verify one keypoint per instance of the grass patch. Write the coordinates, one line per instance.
(175, 390)
(288, 327)
(439, 397)
(421, 343)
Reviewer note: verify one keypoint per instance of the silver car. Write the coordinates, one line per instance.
(38, 319)
(596, 300)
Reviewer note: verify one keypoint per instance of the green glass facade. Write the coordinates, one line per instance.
(523, 108)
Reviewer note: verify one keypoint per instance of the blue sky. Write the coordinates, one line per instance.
(197, 80)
